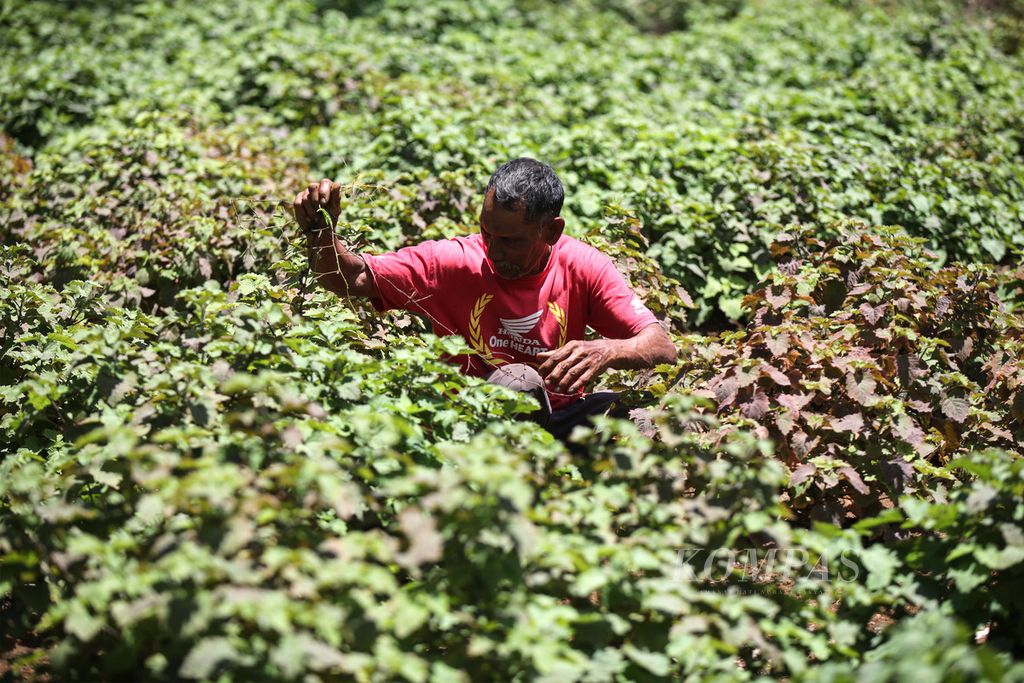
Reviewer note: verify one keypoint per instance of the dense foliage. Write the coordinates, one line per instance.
(210, 470)
(868, 368)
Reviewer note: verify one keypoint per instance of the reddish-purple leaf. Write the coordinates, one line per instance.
(909, 368)
(963, 347)
(777, 375)
(803, 445)
(828, 480)
(643, 418)
(872, 314)
(777, 300)
(779, 346)
(757, 407)
(908, 430)
(807, 342)
(725, 391)
(802, 473)
(919, 406)
(857, 290)
(704, 393)
(955, 409)
(862, 390)
(785, 421)
(744, 378)
(795, 402)
(853, 423)
(856, 482)
(998, 431)
(998, 367)
(856, 354)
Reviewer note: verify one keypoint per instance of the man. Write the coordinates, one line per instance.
(520, 292)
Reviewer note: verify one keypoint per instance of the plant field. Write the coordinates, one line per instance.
(210, 469)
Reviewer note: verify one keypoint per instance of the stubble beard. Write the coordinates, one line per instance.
(512, 271)
(507, 269)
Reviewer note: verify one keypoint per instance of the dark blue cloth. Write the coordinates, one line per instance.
(561, 422)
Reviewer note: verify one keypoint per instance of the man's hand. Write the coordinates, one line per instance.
(325, 194)
(571, 367)
(335, 267)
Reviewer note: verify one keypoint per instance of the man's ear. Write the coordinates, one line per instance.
(553, 229)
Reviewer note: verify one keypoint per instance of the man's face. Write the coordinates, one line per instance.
(515, 248)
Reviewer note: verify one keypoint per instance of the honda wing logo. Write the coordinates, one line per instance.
(517, 327)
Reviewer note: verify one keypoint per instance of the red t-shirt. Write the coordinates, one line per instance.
(454, 284)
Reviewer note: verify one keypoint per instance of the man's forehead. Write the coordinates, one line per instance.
(491, 205)
(497, 211)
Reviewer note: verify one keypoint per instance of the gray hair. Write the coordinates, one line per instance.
(529, 184)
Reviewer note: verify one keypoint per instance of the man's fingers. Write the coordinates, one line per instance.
(569, 368)
(573, 373)
(301, 211)
(556, 370)
(554, 377)
(583, 380)
(321, 194)
(551, 358)
(550, 365)
(307, 204)
(558, 373)
(335, 203)
(324, 197)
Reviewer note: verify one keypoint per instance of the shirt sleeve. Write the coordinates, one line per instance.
(403, 277)
(616, 312)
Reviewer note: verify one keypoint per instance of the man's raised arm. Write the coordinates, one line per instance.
(335, 267)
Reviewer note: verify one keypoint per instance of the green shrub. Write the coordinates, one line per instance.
(210, 471)
(159, 202)
(929, 645)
